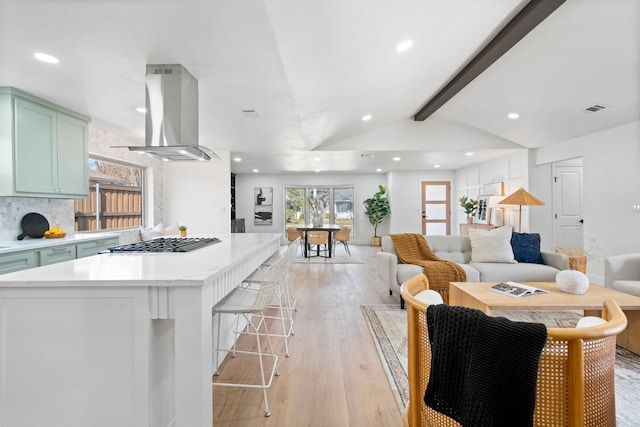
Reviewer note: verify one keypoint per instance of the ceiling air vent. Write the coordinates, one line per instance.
(250, 114)
(594, 108)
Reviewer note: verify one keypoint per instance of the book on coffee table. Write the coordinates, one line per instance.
(515, 289)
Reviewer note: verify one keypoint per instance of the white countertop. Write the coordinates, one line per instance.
(139, 269)
(29, 243)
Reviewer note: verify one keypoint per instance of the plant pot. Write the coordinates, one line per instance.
(183, 233)
(469, 220)
(376, 241)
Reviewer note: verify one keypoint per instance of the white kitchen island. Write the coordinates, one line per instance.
(120, 339)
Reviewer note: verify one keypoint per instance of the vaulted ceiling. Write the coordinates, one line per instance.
(312, 70)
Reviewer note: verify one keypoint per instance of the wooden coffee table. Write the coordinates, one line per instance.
(478, 295)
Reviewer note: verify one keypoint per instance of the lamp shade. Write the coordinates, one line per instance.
(521, 197)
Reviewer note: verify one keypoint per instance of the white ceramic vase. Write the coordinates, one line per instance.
(316, 219)
(572, 281)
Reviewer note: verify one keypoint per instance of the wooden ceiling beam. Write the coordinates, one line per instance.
(526, 20)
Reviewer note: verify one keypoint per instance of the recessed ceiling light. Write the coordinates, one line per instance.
(378, 170)
(44, 57)
(513, 116)
(366, 117)
(469, 153)
(317, 170)
(317, 159)
(141, 110)
(436, 166)
(237, 159)
(404, 45)
(256, 171)
(165, 159)
(396, 159)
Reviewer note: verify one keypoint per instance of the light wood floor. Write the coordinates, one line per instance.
(334, 376)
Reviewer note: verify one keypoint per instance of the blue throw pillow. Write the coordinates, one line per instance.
(526, 247)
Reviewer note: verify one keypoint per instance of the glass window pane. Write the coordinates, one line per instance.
(436, 211)
(337, 203)
(294, 207)
(436, 192)
(436, 229)
(343, 207)
(115, 197)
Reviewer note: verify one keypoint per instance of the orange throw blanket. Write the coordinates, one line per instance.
(413, 249)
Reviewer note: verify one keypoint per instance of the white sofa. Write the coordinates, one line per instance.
(458, 250)
(622, 273)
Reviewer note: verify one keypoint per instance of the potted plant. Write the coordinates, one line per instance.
(376, 209)
(470, 207)
(183, 230)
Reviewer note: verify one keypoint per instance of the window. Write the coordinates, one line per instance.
(339, 210)
(115, 197)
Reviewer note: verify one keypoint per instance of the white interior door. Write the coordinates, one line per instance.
(436, 208)
(567, 206)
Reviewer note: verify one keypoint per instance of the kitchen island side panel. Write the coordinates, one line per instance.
(74, 357)
(154, 340)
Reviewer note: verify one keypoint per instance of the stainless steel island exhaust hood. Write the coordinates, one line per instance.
(172, 115)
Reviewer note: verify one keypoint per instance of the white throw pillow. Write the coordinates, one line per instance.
(491, 245)
(171, 230)
(429, 296)
(148, 233)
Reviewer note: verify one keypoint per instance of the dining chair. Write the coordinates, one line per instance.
(343, 235)
(315, 240)
(293, 234)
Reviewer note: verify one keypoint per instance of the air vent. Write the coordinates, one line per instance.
(367, 155)
(250, 114)
(594, 108)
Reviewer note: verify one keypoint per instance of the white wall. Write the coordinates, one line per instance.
(365, 185)
(197, 194)
(405, 194)
(511, 171)
(611, 177)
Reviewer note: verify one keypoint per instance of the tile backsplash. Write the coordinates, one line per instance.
(59, 213)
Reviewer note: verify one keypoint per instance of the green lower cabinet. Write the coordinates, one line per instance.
(22, 260)
(94, 247)
(16, 261)
(57, 254)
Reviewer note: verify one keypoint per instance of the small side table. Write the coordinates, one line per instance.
(464, 228)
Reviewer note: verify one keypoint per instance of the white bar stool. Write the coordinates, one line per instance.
(248, 303)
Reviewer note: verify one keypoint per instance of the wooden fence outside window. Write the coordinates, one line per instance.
(109, 206)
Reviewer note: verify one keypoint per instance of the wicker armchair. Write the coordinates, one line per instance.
(575, 384)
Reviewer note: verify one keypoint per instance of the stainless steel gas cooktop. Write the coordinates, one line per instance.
(167, 244)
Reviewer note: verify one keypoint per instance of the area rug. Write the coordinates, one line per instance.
(387, 324)
(340, 259)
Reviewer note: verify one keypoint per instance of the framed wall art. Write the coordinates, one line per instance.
(483, 214)
(263, 196)
(263, 215)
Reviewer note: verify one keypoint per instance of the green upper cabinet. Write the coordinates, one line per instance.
(43, 148)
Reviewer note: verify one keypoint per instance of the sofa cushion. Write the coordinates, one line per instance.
(491, 245)
(520, 272)
(407, 271)
(627, 286)
(451, 248)
(526, 247)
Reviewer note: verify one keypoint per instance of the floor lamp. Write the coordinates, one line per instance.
(521, 197)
